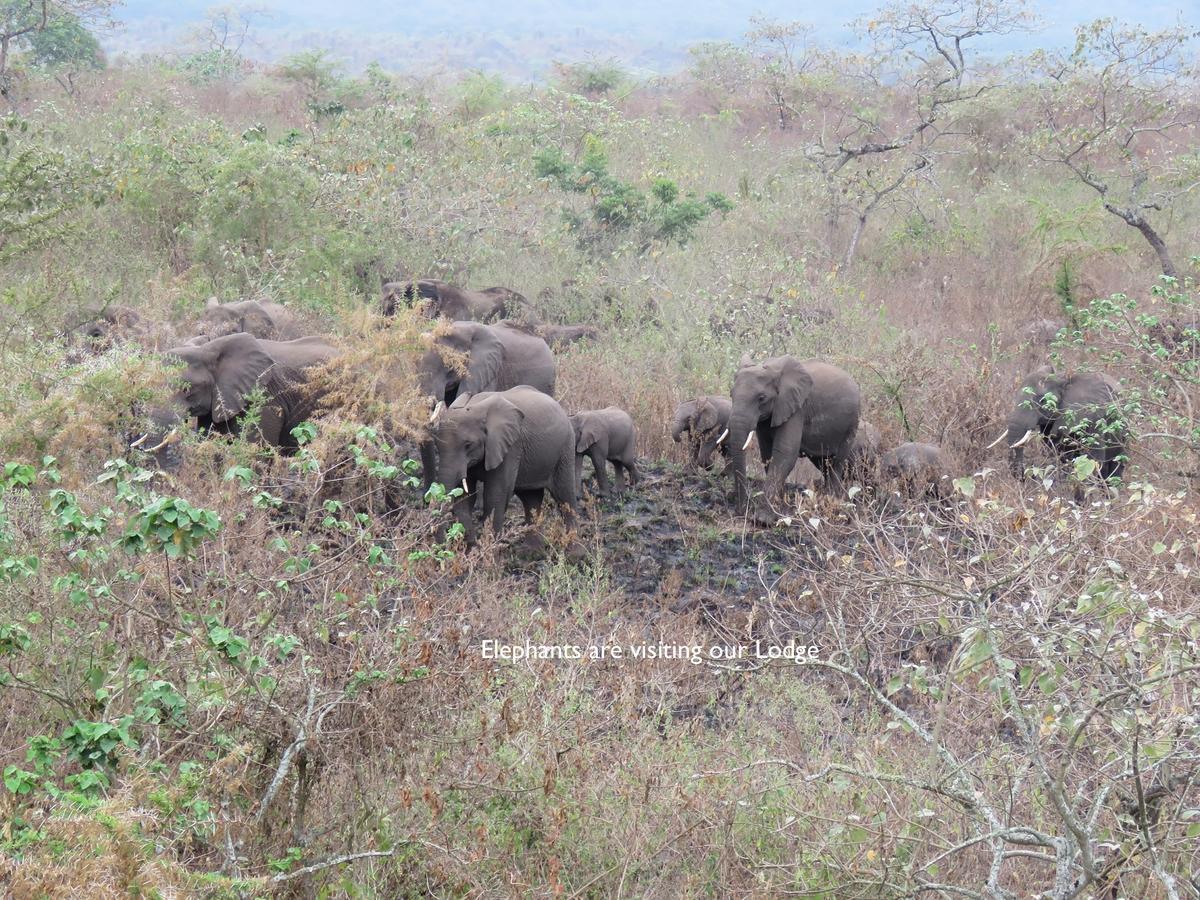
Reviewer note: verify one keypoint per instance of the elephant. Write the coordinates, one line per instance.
(518, 441)
(559, 336)
(918, 467)
(1075, 414)
(268, 321)
(109, 326)
(218, 377)
(864, 452)
(794, 408)
(497, 357)
(705, 421)
(439, 299)
(605, 435)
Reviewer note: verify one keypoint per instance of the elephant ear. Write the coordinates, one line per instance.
(238, 368)
(793, 387)
(587, 432)
(706, 415)
(484, 367)
(504, 423)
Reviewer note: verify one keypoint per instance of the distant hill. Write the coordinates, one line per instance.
(521, 40)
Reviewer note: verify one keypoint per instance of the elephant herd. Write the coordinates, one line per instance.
(497, 432)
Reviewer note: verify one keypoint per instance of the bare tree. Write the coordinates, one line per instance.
(918, 79)
(1106, 110)
(782, 51)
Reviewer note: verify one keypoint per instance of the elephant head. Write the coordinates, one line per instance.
(218, 376)
(398, 294)
(1035, 411)
(482, 430)
(770, 392)
(269, 321)
(698, 417)
(464, 360)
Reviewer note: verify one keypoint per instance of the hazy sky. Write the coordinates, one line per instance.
(666, 27)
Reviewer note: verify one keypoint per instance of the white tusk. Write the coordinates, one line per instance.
(437, 410)
(466, 490)
(724, 434)
(1003, 435)
(145, 437)
(749, 441)
(1021, 442)
(171, 438)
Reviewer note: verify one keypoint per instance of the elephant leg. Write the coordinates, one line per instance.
(531, 499)
(618, 476)
(785, 450)
(834, 470)
(496, 493)
(630, 464)
(579, 475)
(601, 466)
(562, 489)
(428, 462)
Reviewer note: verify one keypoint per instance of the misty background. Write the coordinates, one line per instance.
(523, 39)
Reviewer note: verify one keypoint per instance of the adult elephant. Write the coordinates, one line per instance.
(269, 321)
(440, 299)
(218, 377)
(1076, 415)
(514, 442)
(794, 408)
(471, 357)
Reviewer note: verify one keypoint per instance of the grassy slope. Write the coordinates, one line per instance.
(660, 779)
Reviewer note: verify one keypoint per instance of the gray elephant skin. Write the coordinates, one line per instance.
(218, 377)
(793, 408)
(605, 436)
(917, 467)
(1076, 415)
(269, 321)
(440, 299)
(864, 452)
(514, 442)
(703, 421)
(497, 357)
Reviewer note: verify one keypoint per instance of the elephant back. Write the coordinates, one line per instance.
(528, 360)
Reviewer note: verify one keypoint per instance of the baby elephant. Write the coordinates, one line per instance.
(705, 421)
(918, 468)
(605, 434)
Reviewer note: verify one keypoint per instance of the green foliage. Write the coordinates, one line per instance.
(64, 43)
(170, 525)
(618, 207)
(41, 189)
(94, 744)
(592, 79)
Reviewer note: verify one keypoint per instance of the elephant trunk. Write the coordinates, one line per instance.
(1020, 431)
(679, 426)
(741, 429)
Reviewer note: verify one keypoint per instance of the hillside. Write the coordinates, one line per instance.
(246, 651)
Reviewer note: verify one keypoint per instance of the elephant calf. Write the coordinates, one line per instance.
(705, 421)
(518, 441)
(605, 435)
(268, 321)
(917, 467)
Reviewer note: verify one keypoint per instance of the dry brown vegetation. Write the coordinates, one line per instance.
(263, 675)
